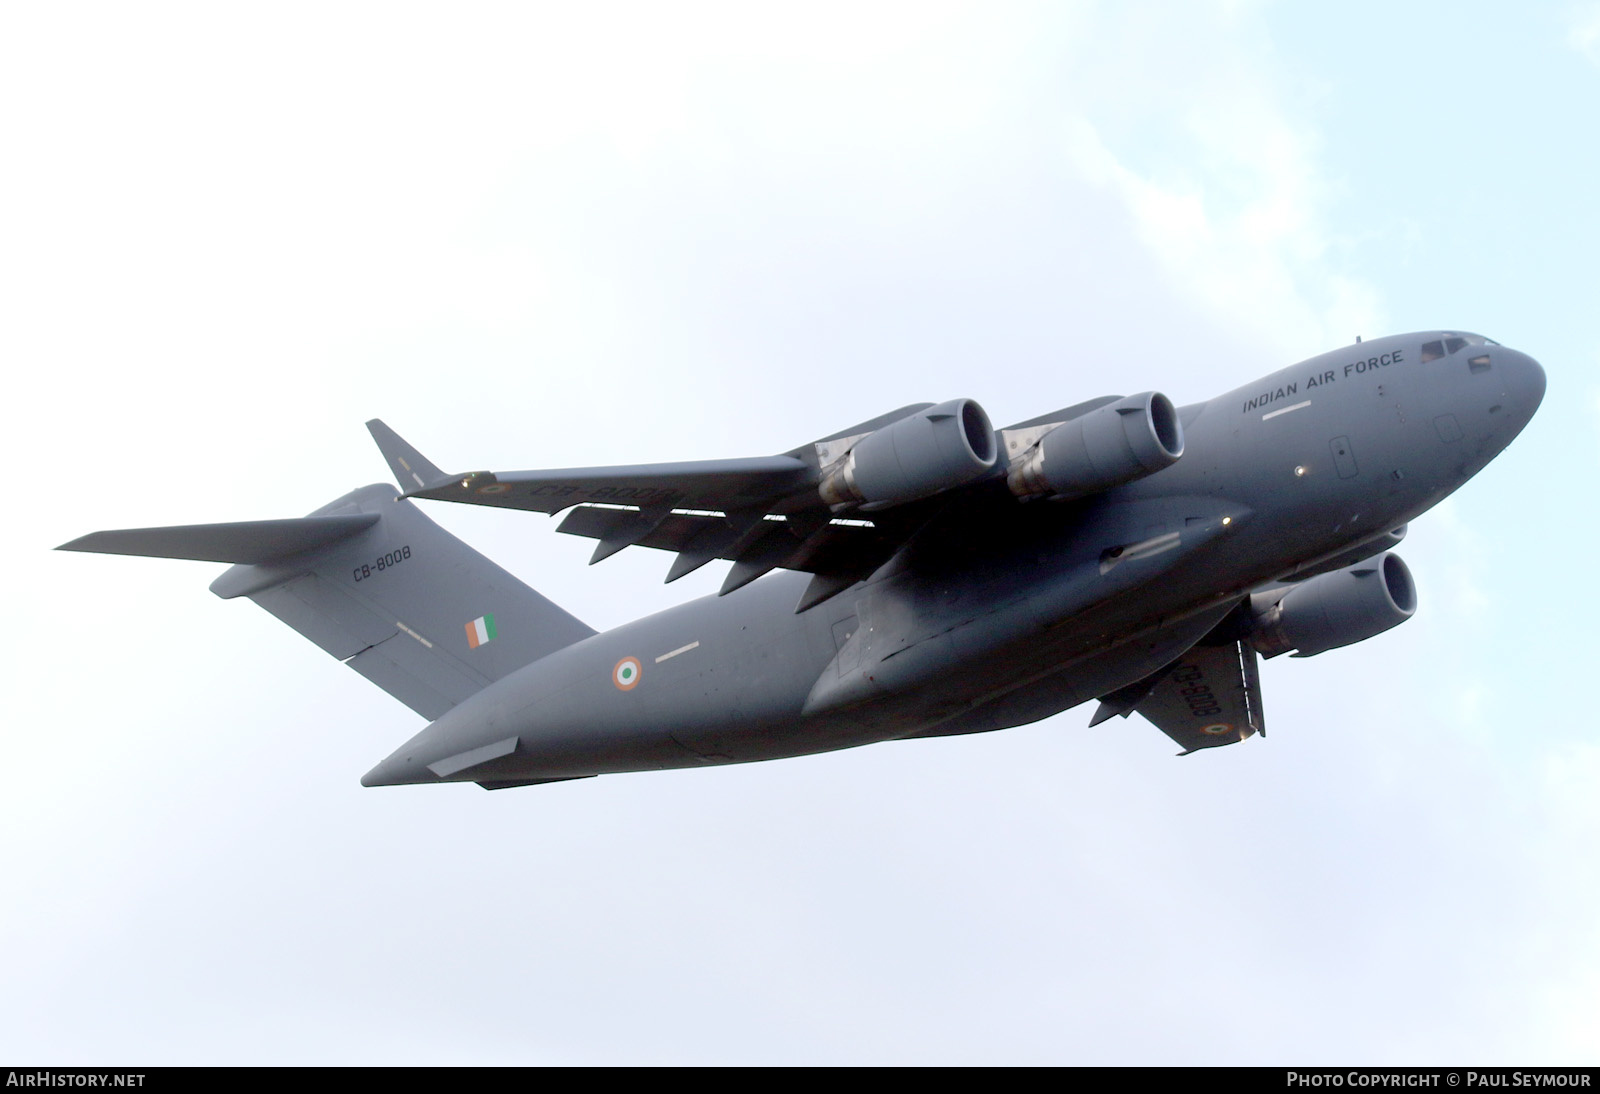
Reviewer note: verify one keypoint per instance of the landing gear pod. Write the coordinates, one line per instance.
(1120, 442)
(1333, 610)
(927, 453)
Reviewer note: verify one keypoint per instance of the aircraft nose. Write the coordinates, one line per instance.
(1524, 379)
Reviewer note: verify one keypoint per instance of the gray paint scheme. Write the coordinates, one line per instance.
(969, 611)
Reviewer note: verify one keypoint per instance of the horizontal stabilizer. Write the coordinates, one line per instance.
(412, 470)
(250, 542)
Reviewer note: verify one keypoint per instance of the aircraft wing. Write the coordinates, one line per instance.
(707, 484)
(761, 512)
(1210, 696)
(797, 510)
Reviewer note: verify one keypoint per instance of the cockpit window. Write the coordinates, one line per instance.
(1453, 340)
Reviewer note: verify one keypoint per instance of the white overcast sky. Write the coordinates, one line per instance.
(534, 236)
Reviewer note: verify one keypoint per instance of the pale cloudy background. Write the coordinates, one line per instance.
(573, 234)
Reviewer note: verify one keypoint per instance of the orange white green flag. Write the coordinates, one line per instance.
(480, 630)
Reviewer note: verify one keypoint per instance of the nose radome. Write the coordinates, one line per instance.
(1524, 379)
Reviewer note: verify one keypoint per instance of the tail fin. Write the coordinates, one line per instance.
(378, 585)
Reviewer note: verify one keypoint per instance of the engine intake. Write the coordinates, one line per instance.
(1117, 443)
(1333, 610)
(926, 453)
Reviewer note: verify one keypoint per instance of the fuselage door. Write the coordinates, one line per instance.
(1344, 457)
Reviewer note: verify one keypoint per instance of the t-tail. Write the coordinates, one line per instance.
(378, 585)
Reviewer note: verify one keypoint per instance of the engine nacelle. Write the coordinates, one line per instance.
(1117, 443)
(1333, 610)
(923, 454)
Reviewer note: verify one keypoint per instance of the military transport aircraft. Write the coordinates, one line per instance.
(939, 576)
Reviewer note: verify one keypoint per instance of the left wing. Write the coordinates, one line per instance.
(762, 512)
(1210, 696)
(837, 508)
(704, 484)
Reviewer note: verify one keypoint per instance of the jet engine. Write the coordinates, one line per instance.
(920, 455)
(1117, 443)
(1335, 609)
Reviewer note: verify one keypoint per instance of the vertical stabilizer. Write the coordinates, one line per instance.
(381, 587)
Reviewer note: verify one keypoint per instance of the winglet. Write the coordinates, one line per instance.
(411, 468)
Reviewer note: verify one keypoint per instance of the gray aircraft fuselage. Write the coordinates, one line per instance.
(999, 613)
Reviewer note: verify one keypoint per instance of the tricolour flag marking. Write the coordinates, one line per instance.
(479, 631)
